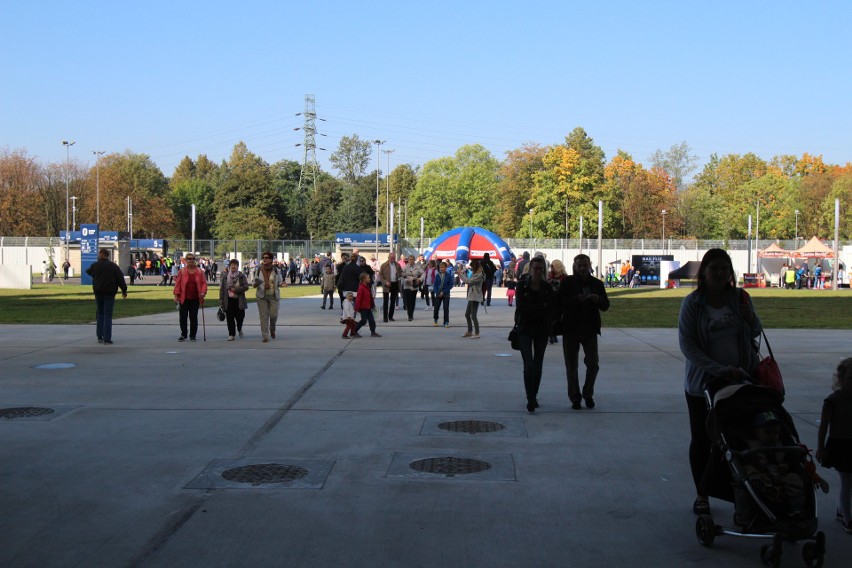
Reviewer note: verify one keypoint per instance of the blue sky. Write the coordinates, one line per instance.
(170, 79)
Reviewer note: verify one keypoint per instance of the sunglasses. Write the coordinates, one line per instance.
(190, 258)
(267, 258)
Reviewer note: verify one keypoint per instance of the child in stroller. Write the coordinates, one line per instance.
(769, 475)
(773, 472)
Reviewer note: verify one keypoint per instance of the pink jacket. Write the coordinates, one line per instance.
(181, 280)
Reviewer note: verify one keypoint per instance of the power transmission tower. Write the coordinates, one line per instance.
(310, 167)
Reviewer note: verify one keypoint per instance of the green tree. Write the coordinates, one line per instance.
(403, 180)
(294, 205)
(678, 162)
(322, 205)
(351, 158)
(455, 191)
(183, 196)
(246, 186)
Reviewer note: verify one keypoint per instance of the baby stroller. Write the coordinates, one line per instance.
(772, 486)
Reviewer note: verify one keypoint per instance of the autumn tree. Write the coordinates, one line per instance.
(572, 174)
(138, 177)
(23, 207)
(516, 179)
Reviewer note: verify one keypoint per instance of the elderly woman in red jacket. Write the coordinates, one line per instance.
(190, 289)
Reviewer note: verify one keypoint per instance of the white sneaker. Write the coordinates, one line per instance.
(474, 336)
(230, 338)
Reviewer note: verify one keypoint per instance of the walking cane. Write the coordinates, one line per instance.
(203, 325)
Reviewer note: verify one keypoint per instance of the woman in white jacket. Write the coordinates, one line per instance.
(474, 297)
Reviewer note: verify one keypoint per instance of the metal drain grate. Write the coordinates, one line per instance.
(449, 465)
(471, 426)
(258, 474)
(24, 412)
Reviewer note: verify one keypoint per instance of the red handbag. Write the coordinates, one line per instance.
(767, 373)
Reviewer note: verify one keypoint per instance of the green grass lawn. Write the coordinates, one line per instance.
(54, 303)
(643, 307)
(813, 309)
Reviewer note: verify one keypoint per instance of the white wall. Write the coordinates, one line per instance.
(16, 276)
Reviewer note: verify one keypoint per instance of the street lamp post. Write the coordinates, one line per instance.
(98, 154)
(664, 231)
(387, 190)
(73, 213)
(67, 145)
(797, 227)
(378, 144)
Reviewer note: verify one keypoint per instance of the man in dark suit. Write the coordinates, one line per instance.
(583, 300)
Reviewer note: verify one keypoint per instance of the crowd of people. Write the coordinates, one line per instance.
(717, 328)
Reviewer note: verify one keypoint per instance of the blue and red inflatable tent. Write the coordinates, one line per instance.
(465, 243)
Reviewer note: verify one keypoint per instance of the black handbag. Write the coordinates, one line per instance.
(513, 339)
(220, 314)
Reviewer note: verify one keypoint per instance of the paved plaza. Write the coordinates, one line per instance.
(127, 469)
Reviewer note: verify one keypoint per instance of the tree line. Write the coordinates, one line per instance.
(538, 191)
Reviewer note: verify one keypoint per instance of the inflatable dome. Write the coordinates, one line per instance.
(466, 243)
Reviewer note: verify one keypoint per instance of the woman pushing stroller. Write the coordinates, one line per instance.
(716, 329)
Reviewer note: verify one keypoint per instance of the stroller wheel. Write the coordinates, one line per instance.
(810, 556)
(813, 553)
(705, 530)
(770, 554)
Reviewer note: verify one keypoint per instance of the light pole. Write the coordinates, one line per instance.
(664, 231)
(73, 212)
(797, 227)
(67, 145)
(378, 144)
(387, 190)
(98, 154)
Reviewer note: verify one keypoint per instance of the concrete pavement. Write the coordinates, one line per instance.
(127, 469)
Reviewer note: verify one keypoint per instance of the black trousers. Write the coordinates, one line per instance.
(234, 316)
(387, 309)
(410, 297)
(189, 308)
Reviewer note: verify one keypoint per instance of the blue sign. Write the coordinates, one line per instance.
(352, 239)
(89, 236)
(146, 244)
(77, 236)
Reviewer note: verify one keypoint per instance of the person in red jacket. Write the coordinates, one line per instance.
(190, 289)
(364, 304)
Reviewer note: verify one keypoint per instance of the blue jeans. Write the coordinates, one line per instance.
(104, 306)
(445, 302)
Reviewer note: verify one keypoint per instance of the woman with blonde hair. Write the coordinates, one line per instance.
(555, 277)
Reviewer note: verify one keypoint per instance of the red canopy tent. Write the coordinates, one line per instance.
(774, 251)
(814, 248)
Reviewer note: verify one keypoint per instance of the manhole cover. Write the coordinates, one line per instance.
(55, 366)
(24, 412)
(449, 465)
(258, 474)
(471, 426)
